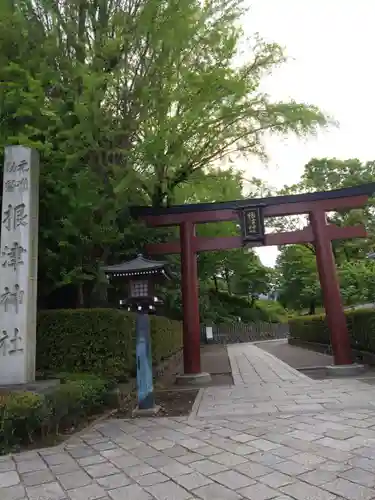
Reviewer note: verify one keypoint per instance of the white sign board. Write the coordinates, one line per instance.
(209, 334)
(19, 265)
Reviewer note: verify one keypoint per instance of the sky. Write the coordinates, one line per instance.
(330, 44)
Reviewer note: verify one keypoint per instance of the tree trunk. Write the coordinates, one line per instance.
(216, 283)
(80, 296)
(312, 308)
(227, 279)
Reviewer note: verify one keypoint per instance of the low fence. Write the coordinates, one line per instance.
(243, 332)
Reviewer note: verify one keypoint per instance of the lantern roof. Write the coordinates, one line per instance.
(140, 266)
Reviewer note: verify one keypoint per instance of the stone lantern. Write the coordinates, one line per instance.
(139, 277)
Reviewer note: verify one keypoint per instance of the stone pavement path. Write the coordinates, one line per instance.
(297, 357)
(275, 434)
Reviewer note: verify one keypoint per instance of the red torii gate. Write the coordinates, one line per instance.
(319, 232)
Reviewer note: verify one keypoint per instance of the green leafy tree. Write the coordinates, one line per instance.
(127, 101)
(298, 283)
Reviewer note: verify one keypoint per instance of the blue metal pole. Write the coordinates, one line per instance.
(145, 387)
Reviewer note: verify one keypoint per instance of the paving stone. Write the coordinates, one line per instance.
(113, 481)
(106, 455)
(175, 470)
(192, 444)
(81, 451)
(335, 466)
(291, 468)
(363, 463)
(318, 477)
(93, 459)
(139, 470)
(89, 492)
(7, 465)
(12, 493)
(258, 492)
(253, 469)
(276, 479)
(10, 478)
(302, 491)
(207, 467)
(50, 491)
(75, 479)
(37, 477)
(242, 438)
(266, 458)
(337, 444)
(366, 452)
(303, 435)
(64, 468)
(193, 480)
(145, 452)
(307, 459)
(101, 470)
(167, 491)
(175, 451)
(241, 449)
(131, 492)
(232, 479)
(209, 451)
(217, 492)
(339, 434)
(125, 461)
(359, 476)
(151, 479)
(284, 452)
(228, 459)
(160, 461)
(104, 446)
(188, 458)
(31, 465)
(26, 455)
(58, 459)
(224, 431)
(349, 490)
(162, 444)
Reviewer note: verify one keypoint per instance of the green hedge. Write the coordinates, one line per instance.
(27, 416)
(99, 341)
(361, 326)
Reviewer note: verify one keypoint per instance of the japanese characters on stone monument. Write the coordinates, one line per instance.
(19, 265)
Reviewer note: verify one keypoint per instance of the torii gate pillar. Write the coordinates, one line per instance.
(190, 300)
(331, 290)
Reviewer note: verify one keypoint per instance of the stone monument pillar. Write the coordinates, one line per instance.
(19, 265)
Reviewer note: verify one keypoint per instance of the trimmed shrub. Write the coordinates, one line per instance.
(76, 400)
(26, 415)
(22, 414)
(361, 326)
(99, 341)
(166, 338)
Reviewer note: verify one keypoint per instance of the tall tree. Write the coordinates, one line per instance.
(126, 100)
(298, 283)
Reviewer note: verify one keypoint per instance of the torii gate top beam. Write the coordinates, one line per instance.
(274, 206)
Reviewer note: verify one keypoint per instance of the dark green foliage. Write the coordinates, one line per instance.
(220, 307)
(76, 400)
(26, 416)
(22, 414)
(99, 341)
(166, 338)
(361, 324)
